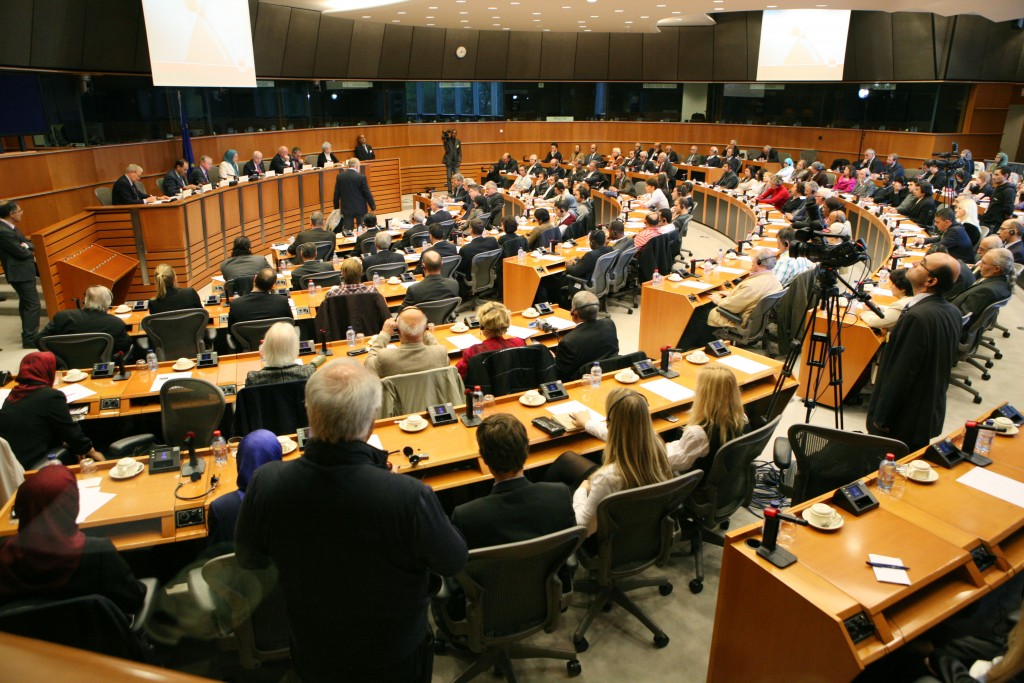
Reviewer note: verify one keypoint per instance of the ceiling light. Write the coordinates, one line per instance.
(464, 21)
(463, 12)
(536, 20)
(492, 8)
(498, 25)
(594, 16)
(586, 30)
(661, 6)
(356, 5)
(629, 22)
(366, 16)
(429, 24)
(719, 9)
(396, 21)
(591, 1)
(677, 13)
(506, 29)
(619, 11)
(495, 17)
(399, 12)
(536, 14)
(430, 17)
(644, 16)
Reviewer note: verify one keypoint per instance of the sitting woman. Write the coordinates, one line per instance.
(494, 320)
(509, 228)
(845, 181)
(351, 279)
(51, 558)
(786, 172)
(900, 287)
(655, 199)
(168, 296)
(775, 193)
(747, 180)
(279, 352)
(229, 167)
(479, 208)
(35, 418)
(257, 449)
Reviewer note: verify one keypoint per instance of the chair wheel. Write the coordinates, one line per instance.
(1006, 334)
(977, 399)
(696, 586)
(607, 607)
(665, 589)
(988, 364)
(580, 644)
(574, 667)
(629, 311)
(967, 382)
(660, 641)
(998, 356)
(724, 525)
(986, 377)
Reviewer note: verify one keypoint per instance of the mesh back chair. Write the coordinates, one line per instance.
(448, 227)
(828, 458)
(618, 277)
(190, 405)
(511, 247)
(808, 155)
(440, 312)
(279, 407)
(484, 273)
(613, 364)
(240, 285)
(508, 371)
(104, 195)
(81, 350)
(176, 334)
(386, 270)
(974, 328)
(992, 324)
(635, 530)
(160, 186)
(754, 330)
(727, 486)
(449, 264)
(324, 251)
(512, 591)
(326, 279)
(250, 333)
(599, 285)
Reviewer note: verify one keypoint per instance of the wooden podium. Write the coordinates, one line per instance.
(96, 265)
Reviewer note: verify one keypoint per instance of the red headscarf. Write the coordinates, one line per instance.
(38, 369)
(48, 548)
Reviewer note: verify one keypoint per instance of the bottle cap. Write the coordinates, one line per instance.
(216, 432)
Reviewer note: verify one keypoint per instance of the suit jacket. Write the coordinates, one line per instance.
(19, 262)
(311, 235)
(365, 153)
(308, 268)
(536, 169)
(441, 216)
(365, 242)
(352, 194)
(430, 288)
(744, 298)
(381, 258)
(937, 179)
(922, 212)
(84, 320)
(956, 241)
(773, 155)
(893, 170)
(910, 396)
(474, 247)
(174, 183)
(444, 248)
(694, 160)
(199, 176)
(734, 163)
(596, 180)
(177, 299)
(125, 192)
(550, 156)
(584, 268)
(591, 157)
(278, 164)
(982, 294)
(516, 510)
(242, 266)
(876, 166)
(252, 168)
(497, 203)
(714, 161)
(587, 342)
(258, 305)
(415, 235)
(322, 159)
(1001, 205)
(1017, 249)
(729, 180)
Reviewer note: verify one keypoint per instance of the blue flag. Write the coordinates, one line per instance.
(186, 137)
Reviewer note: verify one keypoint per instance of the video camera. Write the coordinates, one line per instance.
(812, 246)
(946, 160)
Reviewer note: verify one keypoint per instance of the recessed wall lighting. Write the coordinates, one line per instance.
(430, 17)
(619, 11)
(506, 29)
(399, 13)
(396, 21)
(367, 16)
(644, 16)
(464, 21)
(536, 20)
(536, 14)
(429, 24)
(661, 6)
(629, 22)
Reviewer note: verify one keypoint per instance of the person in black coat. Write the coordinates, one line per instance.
(314, 233)
(1010, 233)
(201, 173)
(281, 160)
(495, 202)
(92, 317)
(176, 179)
(432, 287)
(365, 242)
(437, 244)
(769, 154)
(870, 162)
(254, 167)
(477, 245)
(951, 235)
(923, 210)
(352, 195)
(418, 232)
(325, 155)
(438, 214)
(583, 267)
(909, 401)
(363, 151)
(592, 339)
(729, 179)
(995, 270)
(17, 255)
(261, 303)
(594, 177)
(169, 297)
(893, 168)
(713, 160)
(382, 256)
(310, 266)
(125, 191)
(1000, 207)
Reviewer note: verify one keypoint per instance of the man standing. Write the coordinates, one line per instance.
(592, 339)
(452, 155)
(909, 401)
(952, 236)
(354, 545)
(17, 255)
(352, 195)
(1000, 207)
(201, 173)
(363, 151)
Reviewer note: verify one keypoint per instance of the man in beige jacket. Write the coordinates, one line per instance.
(418, 350)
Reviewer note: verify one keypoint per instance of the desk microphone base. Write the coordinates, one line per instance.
(780, 557)
(120, 377)
(470, 420)
(187, 470)
(671, 374)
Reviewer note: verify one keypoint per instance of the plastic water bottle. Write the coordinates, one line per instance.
(478, 401)
(721, 257)
(312, 288)
(656, 281)
(151, 361)
(887, 472)
(984, 443)
(335, 261)
(350, 336)
(376, 279)
(883, 277)
(521, 255)
(52, 459)
(595, 375)
(220, 449)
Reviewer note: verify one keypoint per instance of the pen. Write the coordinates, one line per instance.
(887, 566)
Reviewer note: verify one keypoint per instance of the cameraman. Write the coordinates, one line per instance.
(452, 155)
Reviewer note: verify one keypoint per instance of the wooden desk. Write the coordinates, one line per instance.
(708, 174)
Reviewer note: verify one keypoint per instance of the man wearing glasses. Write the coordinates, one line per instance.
(909, 402)
(17, 255)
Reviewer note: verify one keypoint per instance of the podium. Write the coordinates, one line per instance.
(96, 265)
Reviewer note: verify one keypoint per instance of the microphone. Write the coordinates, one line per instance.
(324, 351)
(194, 468)
(121, 374)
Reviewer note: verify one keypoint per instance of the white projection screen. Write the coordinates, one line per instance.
(200, 43)
(803, 45)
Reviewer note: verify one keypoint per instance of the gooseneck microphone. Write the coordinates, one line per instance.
(194, 468)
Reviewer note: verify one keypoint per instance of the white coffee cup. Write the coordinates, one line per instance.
(125, 466)
(532, 395)
(393, 280)
(530, 311)
(628, 375)
(820, 513)
(1001, 422)
(920, 469)
(699, 356)
(415, 421)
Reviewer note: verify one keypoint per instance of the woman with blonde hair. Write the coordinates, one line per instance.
(351, 279)
(494, 321)
(169, 297)
(279, 351)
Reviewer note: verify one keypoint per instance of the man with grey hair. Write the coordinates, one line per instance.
(201, 173)
(353, 545)
(495, 201)
(418, 349)
(986, 243)
(316, 232)
(865, 186)
(254, 167)
(592, 339)
(996, 271)
(382, 256)
(310, 266)
(125, 190)
(352, 195)
(281, 160)
(92, 317)
(417, 232)
(872, 163)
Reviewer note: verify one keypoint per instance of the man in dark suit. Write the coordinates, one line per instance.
(281, 160)
(201, 173)
(495, 202)
(729, 179)
(254, 167)
(713, 160)
(176, 179)
(17, 256)
(1000, 207)
(418, 232)
(592, 156)
(352, 195)
(438, 214)
(535, 168)
(592, 339)
(870, 162)
(922, 211)
(952, 235)
(126, 192)
(556, 171)
(553, 154)
(477, 245)
(365, 241)
(617, 238)
(893, 167)
(432, 287)
(1010, 234)
(459, 193)
(310, 265)
(382, 256)
(316, 232)
(363, 151)
(996, 271)
(583, 268)
(92, 317)
(694, 158)
(594, 177)
(261, 303)
(909, 401)
(672, 155)
(935, 176)
(768, 154)
(297, 159)
(437, 244)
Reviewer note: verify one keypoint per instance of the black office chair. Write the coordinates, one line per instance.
(190, 405)
(81, 350)
(483, 272)
(619, 276)
(973, 330)
(828, 458)
(449, 264)
(511, 247)
(279, 407)
(512, 591)
(386, 270)
(612, 364)
(757, 322)
(176, 334)
(325, 279)
(511, 370)
(325, 251)
(240, 286)
(635, 530)
(440, 312)
(599, 284)
(250, 333)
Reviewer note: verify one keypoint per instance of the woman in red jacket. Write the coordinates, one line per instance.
(775, 193)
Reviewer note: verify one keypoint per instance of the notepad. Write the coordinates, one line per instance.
(164, 378)
(76, 392)
(668, 390)
(751, 367)
(733, 271)
(886, 575)
(462, 341)
(559, 323)
(551, 257)
(1003, 488)
(91, 499)
(694, 284)
(521, 332)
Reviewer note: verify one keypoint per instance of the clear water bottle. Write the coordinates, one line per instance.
(350, 336)
(151, 361)
(478, 401)
(887, 472)
(376, 279)
(984, 443)
(521, 255)
(883, 277)
(721, 257)
(220, 449)
(335, 261)
(312, 288)
(656, 281)
(52, 459)
(595, 375)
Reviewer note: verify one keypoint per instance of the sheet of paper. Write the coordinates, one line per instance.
(91, 482)
(4, 393)
(733, 271)
(374, 441)
(218, 278)
(582, 248)
(76, 392)
(751, 367)
(695, 284)
(667, 389)
(884, 575)
(551, 257)
(163, 378)
(882, 292)
(521, 332)
(91, 499)
(744, 258)
(462, 341)
(1003, 488)
(412, 258)
(559, 323)
(566, 407)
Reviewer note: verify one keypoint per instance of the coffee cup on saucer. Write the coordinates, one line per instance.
(675, 277)
(697, 356)
(627, 375)
(921, 470)
(1001, 422)
(532, 396)
(182, 364)
(125, 466)
(414, 422)
(74, 375)
(820, 514)
(393, 280)
(459, 328)
(530, 312)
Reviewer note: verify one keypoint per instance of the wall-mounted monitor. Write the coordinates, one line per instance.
(803, 45)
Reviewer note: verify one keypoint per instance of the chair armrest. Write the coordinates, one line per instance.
(729, 315)
(147, 604)
(201, 591)
(130, 446)
(783, 454)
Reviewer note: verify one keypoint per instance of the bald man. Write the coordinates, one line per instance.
(986, 243)
(909, 401)
(281, 160)
(417, 350)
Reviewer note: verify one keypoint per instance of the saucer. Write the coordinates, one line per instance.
(287, 445)
(539, 401)
(138, 468)
(693, 360)
(123, 309)
(836, 523)
(932, 477)
(1009, 432)
(404, 426)
(181, 368)
(619, 377)
(536, 314)
(394, 281)
(459, 328)
(675, 278)
(75, 378)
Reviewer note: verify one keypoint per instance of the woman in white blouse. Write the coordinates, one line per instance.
(786, 172)
(900, 287)
(655, 199)
(752, 183)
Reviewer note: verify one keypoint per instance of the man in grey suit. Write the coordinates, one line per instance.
(433, 287)
(995, 269)
(352, 195)
(17, 255)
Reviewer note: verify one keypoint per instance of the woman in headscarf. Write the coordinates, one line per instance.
(257, 449)
(51, 558)
(786, 172)
(35, 418)
(229, 167)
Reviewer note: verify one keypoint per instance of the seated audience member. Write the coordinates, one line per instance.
(176, 179)
(583, 267)
(280, 352)
(316, 232)
(438, 245)
(768, 154)
(966, 210)
(893, 194)
(964, 279)
(509, 229)
(35, 419)
(740, 302)
(840, 227)
(807, 208)
(254, 167)
(996, 270)
(1010, 233)
(92, 317)
(951, 235)
(418, 349)
(523, 182)
(729, 180)
(922, 210)
(893, 167)
(479, 209)
(935, 177)
(297, 159)
(478, 244)
(418, 232)
(242, 262)
(201, 173)
(534, 168)
(310, 266)
(228, 168)
(650, 231)
(494, 321)
(459, 191)
(382, 256)
(786, 172)
(169, 297)
(256, 449)
(981, 186)
(126, 192)
(751, 181)
(775, 192)
(533, 240)
(846, 180)
(911, 199)
(438, 214)
(900, 287)
(819, 174)
(433, 287)
(986, 243)
(865, 186)
(325, 155)
(281, 160)
(592, 339)
(351, 279)
(50, 558)
(495, 203)
(338, 521)
(788, 267)
(261, 303)
(365, 241)
(655, 198)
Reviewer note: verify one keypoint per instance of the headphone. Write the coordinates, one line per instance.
(623, 398)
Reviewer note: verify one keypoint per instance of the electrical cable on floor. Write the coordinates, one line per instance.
(767, 489)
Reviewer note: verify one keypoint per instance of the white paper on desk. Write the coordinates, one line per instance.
(551, 257)
(744, 258)
(374, 441)
(161, 379)
(407, 285)
(573, 407)
(1003, 488)
(734, 271)
(881, 292)
(884, 575)
(218, 278)
(559, 323)
(462, 341)
(695, 284)
(521, 332)
(92, 482)
(668, 390)
(4, 393)
(76, 392)
(582, 248)
(280, 247)
(412, 258)
(751, 367)
(91, 499)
